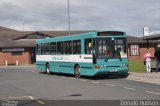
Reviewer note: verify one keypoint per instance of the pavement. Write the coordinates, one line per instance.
(153, 77)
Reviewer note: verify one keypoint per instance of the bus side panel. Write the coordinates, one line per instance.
(66, 67)
(87, 72)
(86, 69)
(40, 66)
(54, 67)
(62, 67)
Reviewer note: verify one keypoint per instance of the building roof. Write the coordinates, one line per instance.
(29, 35)
(6, 29)
(135, 40)
(140, 40)
(14, 38)
(152, 37)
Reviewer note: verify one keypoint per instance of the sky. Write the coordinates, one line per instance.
(129, 16)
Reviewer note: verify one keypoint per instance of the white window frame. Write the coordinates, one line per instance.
(134, 50)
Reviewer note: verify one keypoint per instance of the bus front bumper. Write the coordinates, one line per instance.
(111, 71)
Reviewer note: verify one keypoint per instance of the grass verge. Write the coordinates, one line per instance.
(138, 66)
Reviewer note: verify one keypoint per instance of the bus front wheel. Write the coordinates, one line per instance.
(77, 72)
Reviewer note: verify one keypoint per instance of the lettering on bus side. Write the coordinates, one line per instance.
(57, 58)
(53, 58)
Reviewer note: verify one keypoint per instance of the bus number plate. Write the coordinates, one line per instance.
(113, 70)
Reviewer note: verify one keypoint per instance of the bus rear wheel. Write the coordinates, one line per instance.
(47, 69)
(77, 72)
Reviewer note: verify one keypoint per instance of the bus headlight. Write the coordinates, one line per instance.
(124, 65)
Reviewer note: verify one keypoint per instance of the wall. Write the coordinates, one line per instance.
(1, 58)
(143, 49)
(22, 59)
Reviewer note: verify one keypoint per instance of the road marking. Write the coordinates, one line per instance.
(95, 82)
(64, 77)
(72, 78)
(153, 92)
(83, 80)
(30, 97)
(129, 88)
(19, 97)
(110, 85)
(145, 81)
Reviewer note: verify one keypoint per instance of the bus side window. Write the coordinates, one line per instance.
(42, 48)
(76, 47)
(60, 48)
(88, 46)
(39, 48)
(46, 48)
(37, 52)
(79, 47)
(53, 48)
(68, 47)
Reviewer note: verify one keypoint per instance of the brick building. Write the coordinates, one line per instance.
(20, 45)
(137, 47)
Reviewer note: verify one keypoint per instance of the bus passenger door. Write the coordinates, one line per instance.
(90, 48)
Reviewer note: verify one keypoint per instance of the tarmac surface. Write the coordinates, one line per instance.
(153, 77)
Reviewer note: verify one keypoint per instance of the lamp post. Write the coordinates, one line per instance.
(23, 26)
(68, 19)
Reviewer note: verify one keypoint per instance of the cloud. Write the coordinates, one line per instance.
(127, 15)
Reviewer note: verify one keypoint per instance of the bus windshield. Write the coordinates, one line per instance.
(111, 48)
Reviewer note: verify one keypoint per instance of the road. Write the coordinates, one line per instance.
(25, 83)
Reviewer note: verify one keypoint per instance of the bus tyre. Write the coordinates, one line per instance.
(77, 72)
(124, 75)
(47, 69)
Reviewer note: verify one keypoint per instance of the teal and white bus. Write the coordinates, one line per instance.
(88, 54)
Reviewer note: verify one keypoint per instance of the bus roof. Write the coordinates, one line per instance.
(78, 36)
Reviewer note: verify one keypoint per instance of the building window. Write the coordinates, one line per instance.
(134, 50)
(16, 53)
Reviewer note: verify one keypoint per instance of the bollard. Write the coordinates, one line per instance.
(6, 62)
(17, 63)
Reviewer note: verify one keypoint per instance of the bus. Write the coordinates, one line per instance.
(87, 54)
